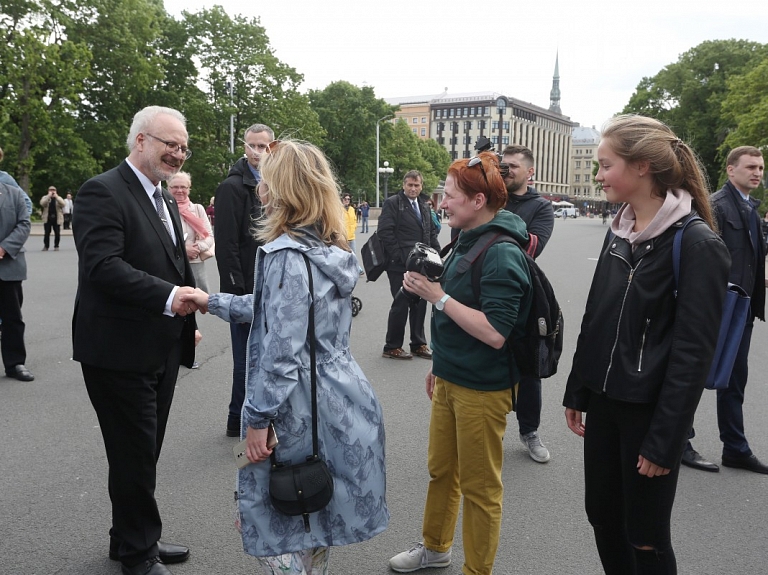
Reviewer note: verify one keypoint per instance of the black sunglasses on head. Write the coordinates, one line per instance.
(477, 161)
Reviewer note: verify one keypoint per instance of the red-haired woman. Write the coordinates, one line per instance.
(469, 383)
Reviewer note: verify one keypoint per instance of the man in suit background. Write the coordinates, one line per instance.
(405, 220)
(14, 231)
(129, 328)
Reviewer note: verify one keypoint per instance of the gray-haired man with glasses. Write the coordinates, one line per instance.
(237, 206)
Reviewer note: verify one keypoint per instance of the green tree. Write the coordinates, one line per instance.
(348, 115)
(41, 78)
(438, 158)
(236, 51)
(745, 109)
(688, 95)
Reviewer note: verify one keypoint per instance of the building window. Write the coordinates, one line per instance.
(423, 119)
(472, 111)
(454, 127)
(450, 112)
(505, 140)
(415, 130)
(441, 140)
(578, 178)
(586, 178)
(423, 131)
(454, 155)
(466, 111)
(467, 153)
(467, 140)
(495, 125)
(506, 126)
(454, 141)
(494, 140)
(415, 120)
(481, 124)
(578, 163)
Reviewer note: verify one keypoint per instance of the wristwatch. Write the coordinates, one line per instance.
(440, 304)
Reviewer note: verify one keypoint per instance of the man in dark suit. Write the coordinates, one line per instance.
(739, 226)
(130, 329)
(14, 231)
(406, 220)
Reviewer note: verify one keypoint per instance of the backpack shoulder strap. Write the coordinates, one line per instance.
(476, 263)
(677, 245)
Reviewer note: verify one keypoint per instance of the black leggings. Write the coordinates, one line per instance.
(627, 510)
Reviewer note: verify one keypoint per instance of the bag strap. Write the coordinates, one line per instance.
(312, 366)
(312, 358)
(677, 245)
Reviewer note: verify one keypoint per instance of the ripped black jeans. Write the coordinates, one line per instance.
(627, 510)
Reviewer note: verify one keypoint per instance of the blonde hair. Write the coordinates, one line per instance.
(303, 192)
(672, 163)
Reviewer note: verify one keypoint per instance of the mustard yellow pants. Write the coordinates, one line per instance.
(465, 458)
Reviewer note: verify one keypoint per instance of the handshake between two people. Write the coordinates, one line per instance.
(188, 300)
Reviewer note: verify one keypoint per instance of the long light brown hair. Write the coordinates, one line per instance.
(672, 163)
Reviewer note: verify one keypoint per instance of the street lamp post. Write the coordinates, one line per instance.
(378, 205)
(230, 88)
(385, 172)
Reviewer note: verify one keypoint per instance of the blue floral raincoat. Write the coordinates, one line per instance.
(350, 426)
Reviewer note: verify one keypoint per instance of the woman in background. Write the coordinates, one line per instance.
(196, 229)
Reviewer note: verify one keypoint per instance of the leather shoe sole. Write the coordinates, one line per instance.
(169, 553)
(692, 459)
(397, 353)
(751, 463)
(20, 372)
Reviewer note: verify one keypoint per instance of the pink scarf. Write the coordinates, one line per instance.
(185, 210)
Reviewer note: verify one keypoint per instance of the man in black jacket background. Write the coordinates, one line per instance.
(405, 220)
(739, 226)
(237, 208)
(539, 218)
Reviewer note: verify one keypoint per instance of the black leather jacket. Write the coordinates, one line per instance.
(640, 344)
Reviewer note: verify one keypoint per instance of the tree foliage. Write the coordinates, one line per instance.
(688, 95)
(73, 74)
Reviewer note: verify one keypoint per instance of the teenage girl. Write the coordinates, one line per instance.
(643, 354)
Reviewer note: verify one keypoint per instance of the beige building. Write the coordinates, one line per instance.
(585, 193)
(414, 110)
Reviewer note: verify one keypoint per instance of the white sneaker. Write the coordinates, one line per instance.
(535, 447)
(419, 557)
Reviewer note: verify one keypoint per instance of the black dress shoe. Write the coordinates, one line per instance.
(750, 463)
(691, 458)
(169, 553)
(149, 567)
(20, 372)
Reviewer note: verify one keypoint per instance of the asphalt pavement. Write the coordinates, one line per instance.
(54, 506)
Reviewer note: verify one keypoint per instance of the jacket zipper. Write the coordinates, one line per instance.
(642, 345)
(621, 314)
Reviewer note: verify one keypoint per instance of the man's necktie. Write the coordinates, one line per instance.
(158, 195)
(416, 208)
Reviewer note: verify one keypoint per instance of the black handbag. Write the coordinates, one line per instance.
(307, 487)
(374, 257)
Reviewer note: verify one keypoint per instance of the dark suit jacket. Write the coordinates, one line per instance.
(127, 268)
(399, 229)
(733, 216)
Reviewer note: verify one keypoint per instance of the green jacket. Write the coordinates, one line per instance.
(505, 298)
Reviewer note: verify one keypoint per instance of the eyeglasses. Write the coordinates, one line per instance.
(178, 188)
(476, 161)
(173, 147)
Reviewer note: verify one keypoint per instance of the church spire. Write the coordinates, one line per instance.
(554, 94)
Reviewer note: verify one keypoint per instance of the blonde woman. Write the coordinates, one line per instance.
(196, 229)
(303, 216)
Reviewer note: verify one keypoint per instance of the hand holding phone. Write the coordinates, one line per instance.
(241, 460)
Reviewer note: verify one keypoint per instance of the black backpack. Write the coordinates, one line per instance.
(537, 352)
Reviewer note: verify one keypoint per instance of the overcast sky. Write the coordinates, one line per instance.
(419, 47)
